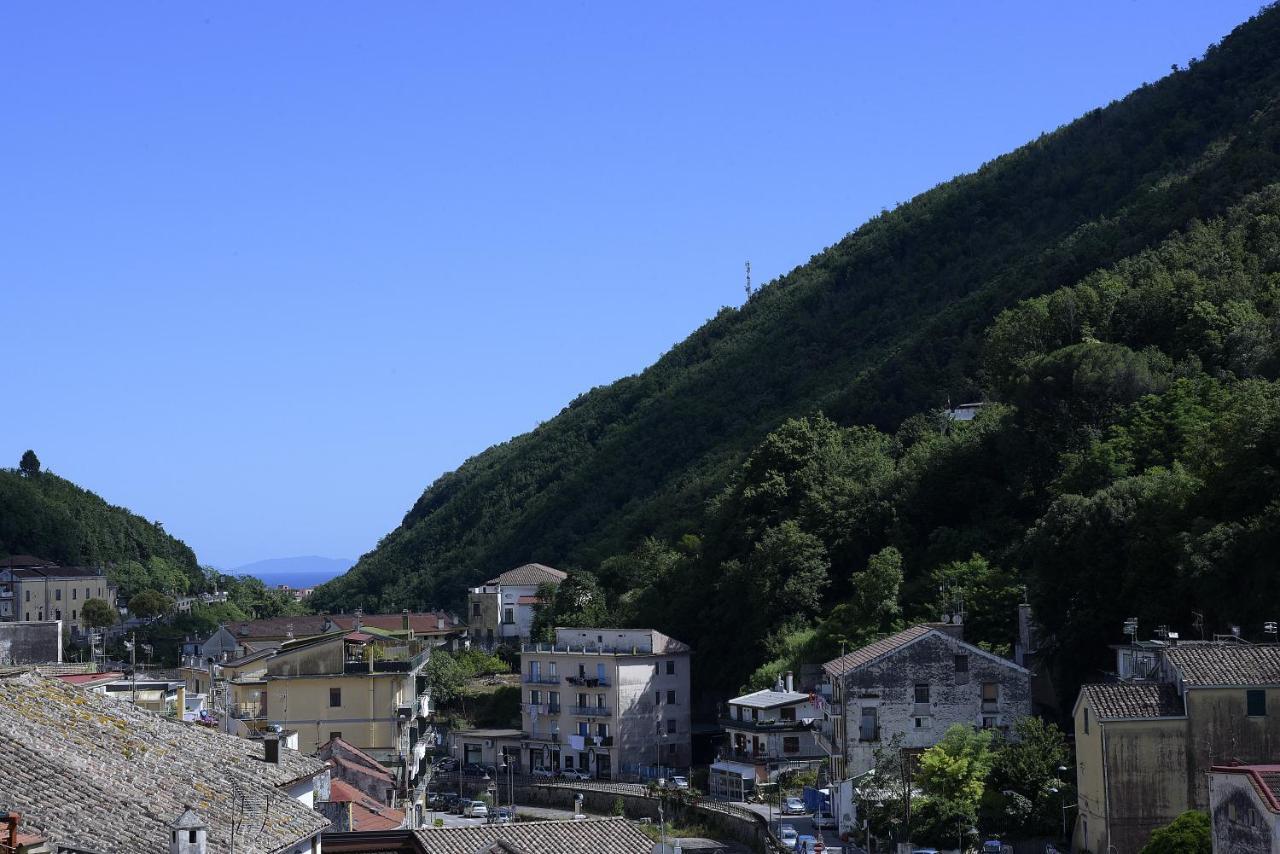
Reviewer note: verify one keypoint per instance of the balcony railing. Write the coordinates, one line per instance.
(247, 711)
(541, 679)
(871, 733)
(544, 736)
(542, 708)
(588, 681)
(591, 711)
(763, 726)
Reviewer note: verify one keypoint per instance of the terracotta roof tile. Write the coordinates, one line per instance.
(1120, 700)
(530, 574)
(593, 836)
(1226, 663)
(872, 651)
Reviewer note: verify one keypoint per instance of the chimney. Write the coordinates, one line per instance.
(189, 834)
(271, 747)
(11, 822)
(791, 682)
(359, 614)
(440, 622)
(952, 624)
(180, 703)
(404, 619)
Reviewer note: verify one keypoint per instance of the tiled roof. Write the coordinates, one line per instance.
(872, 651)
(334, 746)
(305, 625)
(1266, 780)
(593, 836)
(1118, 700)
(94, 772)
(530, 574)
(15, 561)
(1226, 663)
(366, 813)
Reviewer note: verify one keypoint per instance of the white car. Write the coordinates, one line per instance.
(571, 774)
(678, 782)
(824, 819)
(475, 809)
(545, 773)
(787, 836)
(794, 806)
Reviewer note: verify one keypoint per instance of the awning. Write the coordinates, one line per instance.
(741, 769)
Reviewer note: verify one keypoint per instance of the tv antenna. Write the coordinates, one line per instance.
(1131, 629)
(1269, 628)
(748, 279)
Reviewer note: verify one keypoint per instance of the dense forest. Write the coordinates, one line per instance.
(50, 517)
(787, 480)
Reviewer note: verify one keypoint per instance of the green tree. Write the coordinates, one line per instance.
(445, 677)
(1189, 833)
(29, 465)
(97, 614)
(1027, 789)
(955, 769)
(789, 569)
(150, 603)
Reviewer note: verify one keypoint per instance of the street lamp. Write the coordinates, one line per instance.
(1055, 790)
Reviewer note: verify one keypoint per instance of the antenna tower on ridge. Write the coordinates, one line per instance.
(748, 279)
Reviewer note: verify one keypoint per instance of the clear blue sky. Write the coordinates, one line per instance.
(268, 269)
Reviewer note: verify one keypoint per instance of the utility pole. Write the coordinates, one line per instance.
(133, 664)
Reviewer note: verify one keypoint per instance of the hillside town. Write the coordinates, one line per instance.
(293, 733)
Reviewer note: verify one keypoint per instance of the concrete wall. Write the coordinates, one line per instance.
(1146, 778)
(1222, 732)
(954, 697)
(1091, 827)
(1242, 822)
(31, 643)
(366, 716)
(485, 624)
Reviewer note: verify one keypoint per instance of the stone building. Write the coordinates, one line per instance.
(916, 684)
(35, 590)
(606, 702)
(1244, 808)
(1144, 748)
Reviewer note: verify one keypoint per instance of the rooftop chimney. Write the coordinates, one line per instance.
(359, 615)
(271, 747)
(440, 622)
(404, 619)
(189, 834)
(790, 683)
(11, 822)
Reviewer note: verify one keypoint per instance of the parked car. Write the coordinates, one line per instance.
(544, 773)
(823, 819)
(678, 782)
(453, 803)
(806, 844)
(794, 806)
(787, 835)
(925, 851)
(446, 764)
(574, 774)
(473, 768)
(435, 799)
(502, 815)
(475, 809)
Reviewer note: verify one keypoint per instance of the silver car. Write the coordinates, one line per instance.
(794, 806)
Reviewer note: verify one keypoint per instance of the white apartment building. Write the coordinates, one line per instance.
(612, 703)
(501, 610)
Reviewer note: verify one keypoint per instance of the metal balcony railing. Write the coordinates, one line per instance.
(588, 681)
(591, 711)
(541, 679)
(247, 711)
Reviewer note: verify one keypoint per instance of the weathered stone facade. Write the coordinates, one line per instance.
(923, 681)
(1243, 811)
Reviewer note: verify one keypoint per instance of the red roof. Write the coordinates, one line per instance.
(1266, 780)
(83, 678)
(359, 637)
(366, 813)
(527, 600)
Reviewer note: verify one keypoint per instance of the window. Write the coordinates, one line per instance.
(191, 837)
(787, 713)
(584, 728)
(475, 609)
(552, 670)
(582, 700)
(28, 595)
(657, 727)
(671, 667)
(535, 670)
(553, 700)
(990, 693)
(791, 744)
(962, 663)
(568, 760)
(535, 697)
(99, 591)
(74, 591)
(57, 615)
(671, 697)
(599, 701)
(600, 674)
(57, 595)
(1086, 720)
(919, 723)
(73, 614)
(671, 748)
(671, 726)
(334, 735)
(335, 697)
(657, 698)
(922, 693)
(582, 671)
(86, 593)
(509, 616)
(1257, 703)
(602, 730)
(988, 722)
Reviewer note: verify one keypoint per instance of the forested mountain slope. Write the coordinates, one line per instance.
(50, 517)
(1130, 253)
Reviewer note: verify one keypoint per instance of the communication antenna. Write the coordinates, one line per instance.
(748, 279)
(1197, 622)
(1269, 629)
(1131, 629)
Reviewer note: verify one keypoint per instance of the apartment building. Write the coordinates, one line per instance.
(608, 702)
(766, 732)
(501, 610)
(34, 590)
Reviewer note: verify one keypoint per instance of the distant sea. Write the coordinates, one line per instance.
(306, 571)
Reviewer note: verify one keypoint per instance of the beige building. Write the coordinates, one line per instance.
(33, 589)
(1144, 749)
(609, 703)
(366, 688)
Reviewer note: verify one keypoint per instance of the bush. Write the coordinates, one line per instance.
(1189, 833)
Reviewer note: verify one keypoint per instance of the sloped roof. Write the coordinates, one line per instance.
(94, 772)
(1123, 700)
(305, 625)
(366, 813)
(1265, 778)
(531, 574)
(872, 651)
(334, 747)
(592, 836)
(1202, 664)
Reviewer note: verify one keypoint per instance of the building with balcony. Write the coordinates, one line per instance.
(608, 702)
(767, 732)
(35, 590)
(500, 611)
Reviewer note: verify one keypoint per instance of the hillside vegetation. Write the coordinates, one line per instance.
(784, 481)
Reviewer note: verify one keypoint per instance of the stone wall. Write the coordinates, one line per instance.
(31, 643)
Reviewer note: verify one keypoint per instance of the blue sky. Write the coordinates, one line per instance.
(268, 269)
